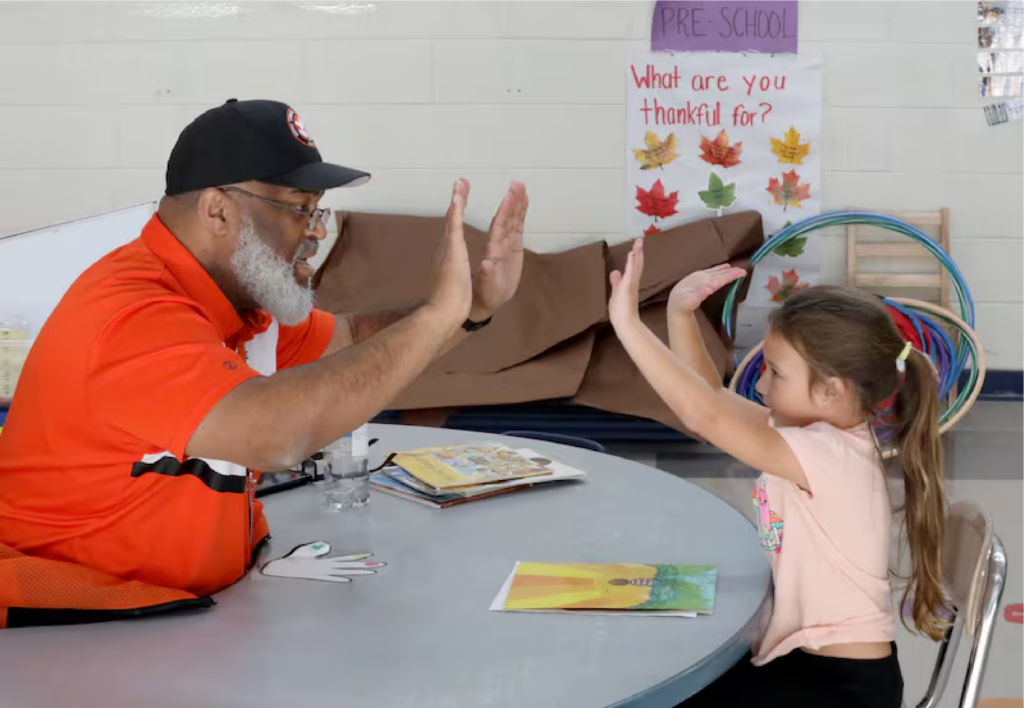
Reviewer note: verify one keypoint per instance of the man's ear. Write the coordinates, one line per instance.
(217, 213)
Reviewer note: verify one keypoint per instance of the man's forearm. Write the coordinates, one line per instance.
(277, 421)
(357, 327)
(687, 344)
(366, 324)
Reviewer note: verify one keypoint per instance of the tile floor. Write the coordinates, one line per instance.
(984, 464)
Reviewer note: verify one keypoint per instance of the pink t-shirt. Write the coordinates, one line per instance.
(829, 550)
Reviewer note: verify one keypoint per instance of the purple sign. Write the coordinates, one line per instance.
(767, 26)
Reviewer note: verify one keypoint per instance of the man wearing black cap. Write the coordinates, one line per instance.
(185, 359)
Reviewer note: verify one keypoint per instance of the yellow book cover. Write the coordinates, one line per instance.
(467, 465)
(611, 586)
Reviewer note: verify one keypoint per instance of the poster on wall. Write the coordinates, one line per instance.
(714, 134)
(766, 26)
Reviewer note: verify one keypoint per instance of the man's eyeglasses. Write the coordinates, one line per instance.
(315, 216)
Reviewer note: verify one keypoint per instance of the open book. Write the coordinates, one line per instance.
(609, 588)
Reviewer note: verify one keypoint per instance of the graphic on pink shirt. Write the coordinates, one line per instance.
(769, 525)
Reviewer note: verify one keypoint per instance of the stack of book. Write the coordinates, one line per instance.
(447, 476)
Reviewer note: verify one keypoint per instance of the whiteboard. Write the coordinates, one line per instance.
(37, 267)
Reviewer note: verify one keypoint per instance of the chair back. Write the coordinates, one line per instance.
(974, 573)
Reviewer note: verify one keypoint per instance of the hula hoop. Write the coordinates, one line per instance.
(843, 218)
(969, 342)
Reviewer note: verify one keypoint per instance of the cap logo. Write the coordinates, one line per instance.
(298, 128)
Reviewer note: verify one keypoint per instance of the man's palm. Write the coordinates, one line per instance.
(501, 269)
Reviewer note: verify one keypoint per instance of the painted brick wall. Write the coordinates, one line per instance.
(92, 96)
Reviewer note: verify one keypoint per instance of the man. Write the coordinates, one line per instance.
(183, 360)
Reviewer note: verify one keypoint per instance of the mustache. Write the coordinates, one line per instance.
(310, 245)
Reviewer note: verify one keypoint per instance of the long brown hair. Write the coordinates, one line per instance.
(848, 334)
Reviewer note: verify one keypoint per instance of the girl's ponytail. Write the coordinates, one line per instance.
(920, 454)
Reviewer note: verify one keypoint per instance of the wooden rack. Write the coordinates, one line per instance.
(933, 287)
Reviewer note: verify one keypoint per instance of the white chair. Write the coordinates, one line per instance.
(974, 572)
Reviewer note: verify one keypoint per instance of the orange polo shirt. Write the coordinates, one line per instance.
(92, 457)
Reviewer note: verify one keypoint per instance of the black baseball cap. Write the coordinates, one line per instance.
(263, 141)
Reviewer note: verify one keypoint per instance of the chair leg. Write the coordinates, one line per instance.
(983, 635)
(943, 663)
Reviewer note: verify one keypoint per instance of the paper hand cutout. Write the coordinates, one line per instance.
(307, 562)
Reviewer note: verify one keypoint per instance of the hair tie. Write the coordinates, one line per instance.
(901, 360)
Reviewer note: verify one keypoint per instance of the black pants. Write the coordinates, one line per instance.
(802, 680)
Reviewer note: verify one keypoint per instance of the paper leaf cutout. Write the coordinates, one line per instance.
(782, 290)
(718, 195)
(793, 247)
(651, 230)
(790, 151)
(658, 152)
(789, 192)
(655, 202)
(719, 151)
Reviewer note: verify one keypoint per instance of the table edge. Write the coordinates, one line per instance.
(667, 694)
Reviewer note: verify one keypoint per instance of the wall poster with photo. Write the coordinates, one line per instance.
(1000, 48)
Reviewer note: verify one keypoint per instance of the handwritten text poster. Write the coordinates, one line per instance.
(713, 134)
(767, 26)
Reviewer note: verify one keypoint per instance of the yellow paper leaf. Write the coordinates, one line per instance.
(790, 151)
(657, 152)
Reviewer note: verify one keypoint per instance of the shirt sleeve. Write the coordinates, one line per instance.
(157, 369)
(305, 342)
(818, 451)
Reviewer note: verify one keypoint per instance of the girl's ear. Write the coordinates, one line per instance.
(830, 391)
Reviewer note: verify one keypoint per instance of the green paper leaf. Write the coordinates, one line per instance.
(791, 248)
(718, 195)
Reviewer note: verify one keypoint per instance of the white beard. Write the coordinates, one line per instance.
(269, 279)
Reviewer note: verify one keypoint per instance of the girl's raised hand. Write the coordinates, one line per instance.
(697, 287)
(624, 303)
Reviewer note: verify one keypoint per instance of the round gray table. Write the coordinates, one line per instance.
(419, 634)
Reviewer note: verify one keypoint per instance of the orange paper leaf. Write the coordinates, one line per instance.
(719, 151)
(789, 192)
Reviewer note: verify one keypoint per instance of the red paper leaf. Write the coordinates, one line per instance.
(789, 285)
(651, 230)
(789, 192)
(655, 202)
(719, 151)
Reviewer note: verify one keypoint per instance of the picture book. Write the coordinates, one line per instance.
(383, 482)
(451, 467)
(610, 588)
(396, 481)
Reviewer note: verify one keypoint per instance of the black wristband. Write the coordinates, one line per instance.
(471, 326)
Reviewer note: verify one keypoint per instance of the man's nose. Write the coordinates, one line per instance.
(319, 232)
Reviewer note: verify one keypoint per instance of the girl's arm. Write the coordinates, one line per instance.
(687, 344)
(684, 337)
(723, 418)
(733, 424)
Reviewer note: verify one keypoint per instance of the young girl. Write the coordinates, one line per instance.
(832, 355)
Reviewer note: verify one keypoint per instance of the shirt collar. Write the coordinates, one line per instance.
(198, 285)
